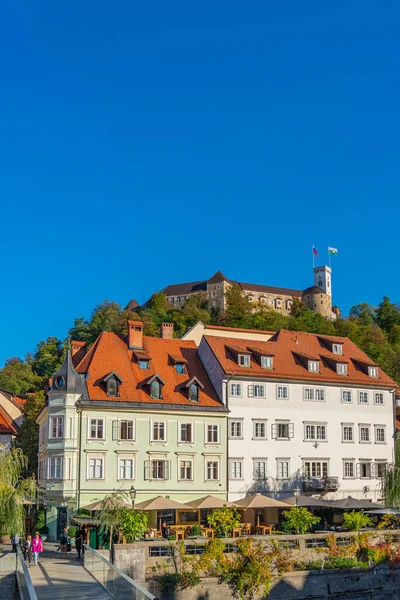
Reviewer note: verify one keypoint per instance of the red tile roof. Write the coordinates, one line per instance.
(285, 345)
(110, 352)
(221, 328)
(6, 423)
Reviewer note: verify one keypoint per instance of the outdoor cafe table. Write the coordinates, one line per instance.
(207, 532)
(263, 529)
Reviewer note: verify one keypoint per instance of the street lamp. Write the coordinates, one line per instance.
(132, 493)
(297, 492)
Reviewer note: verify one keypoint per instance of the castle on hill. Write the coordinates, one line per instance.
(317, 298)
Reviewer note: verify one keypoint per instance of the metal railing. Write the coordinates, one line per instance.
(24, 581)
(114, 581)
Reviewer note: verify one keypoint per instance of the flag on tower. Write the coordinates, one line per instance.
(315, 250)
(332, 250)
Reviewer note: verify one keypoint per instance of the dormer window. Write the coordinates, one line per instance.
(313, 366)
(244, 360)
(155, 390)
(144, 364)
(373, 371)
(341, 369)
(191, 389)
(267, 362)
(194, 392)
(180, 368)
(112, 383)
(337, 348)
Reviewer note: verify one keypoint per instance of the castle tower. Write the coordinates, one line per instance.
(322, 279)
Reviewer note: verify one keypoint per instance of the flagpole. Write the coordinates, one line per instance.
(329, 259)
(313, 256)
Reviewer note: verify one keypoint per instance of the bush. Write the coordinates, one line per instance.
(340, 562)
(72, 532)
(312, 565)
(224, 519)
(134, 523)
(196, 530)
(355, 520)
(40, 520)
(299, 520)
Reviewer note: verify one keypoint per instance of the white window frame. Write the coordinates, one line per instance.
(342, 393)
(96, 419)
(186, 459)
(166, 468)
(279, 395)
(337, 349)
(238, 462)
(313, 392)
(256, 387)
(318, 461)
(244, 360)
(60, 419)
(60, 461)
(180, 440)
(152, 438)
(380, 395)
(267, 362)
(369, 463)
(210, 459)
(133, 438)
(207, 430)
(352, 462)
(260, 422)
(308, 425)
(383, 428)
(348, 426)
(373, 372)
(283, 476)
(125, 458)
(93, 456)
(313, 366)
(367, 427)
(260, 461)
(362, 393)
(341, 369)
(238, 387)
(235, 423)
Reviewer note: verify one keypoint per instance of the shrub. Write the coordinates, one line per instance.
(299, 520)
(340, 562)
(134, 523)
(40, 519)
(389, 521)
(355, 520)
(312, 565)
(224, 519)
(72, 532)
(196, 530)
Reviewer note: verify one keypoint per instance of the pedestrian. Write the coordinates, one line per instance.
(27, 549)
(165, 530)
(37, 547)
(16, 541)
(84, 538)
(78, 542)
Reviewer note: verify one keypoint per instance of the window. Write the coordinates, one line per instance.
(348, 469)
(337, 348)
(213, 434)
(365, 470)
(193, 392)
(260, 430)
(364, 434)
(313, 366)
(282, 430)
(244, 360)
(155, 390)
(278, 303)
(214, 294)
(186, 433)
(235, 429)
(95, 468)
(159, 469)
(250, 298)
(378, 398)
(256, 391)
(373, 371)
(56, 427)
(363, 397)
(266, 362)
(259, 468)
(236, 469)
(127, 430)
(160, 551)
(96, 429)
(236, 389)
(113, 387)
(212, 470)
(282, 392)
(186, 469)
(380, 468)
(159, 433)
(380, 434)
(55, 467)
(144, 364)
(347, 433)
(341, 368)
(314, 394)
(315, 468)
(126, 468)
(315, 432)
(346, 396)
(282, 469)
(180, 368)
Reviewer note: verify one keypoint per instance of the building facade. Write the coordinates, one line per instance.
(11, 417)
(318, 297)
(304, 410)
(130, 412)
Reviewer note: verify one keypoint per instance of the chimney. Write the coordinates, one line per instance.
(167, 331)
(135, 334)
(76, 346)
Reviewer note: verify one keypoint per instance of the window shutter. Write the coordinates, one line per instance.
(358, 470)
(274, 431)
(147, 469)
(291, 430)
(250, 391)
(115, 432)
(374, 471)
(167, 469)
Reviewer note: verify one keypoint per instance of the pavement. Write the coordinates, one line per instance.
(62, 577)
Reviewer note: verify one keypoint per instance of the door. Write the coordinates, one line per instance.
(62, 518)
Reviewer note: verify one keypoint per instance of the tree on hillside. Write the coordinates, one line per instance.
(387, 315)
(107, 316)
(364, 313)
(238, 307)
(18, 377)
(48, 357)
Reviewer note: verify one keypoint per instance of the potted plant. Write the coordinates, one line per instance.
(5, 536)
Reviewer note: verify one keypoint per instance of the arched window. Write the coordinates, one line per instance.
(155, 389)
(112, 387)
(193, 392)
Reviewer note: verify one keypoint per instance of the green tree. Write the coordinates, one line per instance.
(387, 315)
(364, 313)
(390, 482)
(134, 523)
(355, 520)
(48, 357)
(110, 516)
(224, 519)
(238, 307)
(18, 377)
(299, 520)
(14, 489)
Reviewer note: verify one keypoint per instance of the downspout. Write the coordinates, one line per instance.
(227, 436)
(80, 410)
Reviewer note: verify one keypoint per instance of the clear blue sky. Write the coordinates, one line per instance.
(147, 143)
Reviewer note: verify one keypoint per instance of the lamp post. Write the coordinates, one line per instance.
(297, 492)
(132, 493)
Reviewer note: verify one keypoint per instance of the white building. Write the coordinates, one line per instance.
(305, 409)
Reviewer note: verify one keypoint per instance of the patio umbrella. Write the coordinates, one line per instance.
(308, 502)
(98, 504)
(209, 502)
(351, 503)
(383, 511)
(260, 501)
(159, 503)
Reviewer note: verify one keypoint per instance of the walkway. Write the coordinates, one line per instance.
(59, 578)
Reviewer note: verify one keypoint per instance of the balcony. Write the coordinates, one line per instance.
(320, 485)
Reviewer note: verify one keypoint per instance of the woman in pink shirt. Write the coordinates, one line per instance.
(37, 546)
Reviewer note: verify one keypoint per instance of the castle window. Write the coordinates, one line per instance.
(180, 368)
(250, 298)
(193, 392)
(337, 348)
(144, 364)
(278, 303)
(155, 390)
(214, 294)
(244, 360)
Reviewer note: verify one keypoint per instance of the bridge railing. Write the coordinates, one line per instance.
(24, 581)
(114, 581)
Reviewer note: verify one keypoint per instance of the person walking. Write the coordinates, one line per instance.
(16, 541)
(27, 549)
(37, 547)
(84, 538)
(78, 542)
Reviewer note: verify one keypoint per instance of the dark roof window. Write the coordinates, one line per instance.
(112, 381)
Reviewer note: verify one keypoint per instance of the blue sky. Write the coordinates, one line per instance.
(150, 143)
